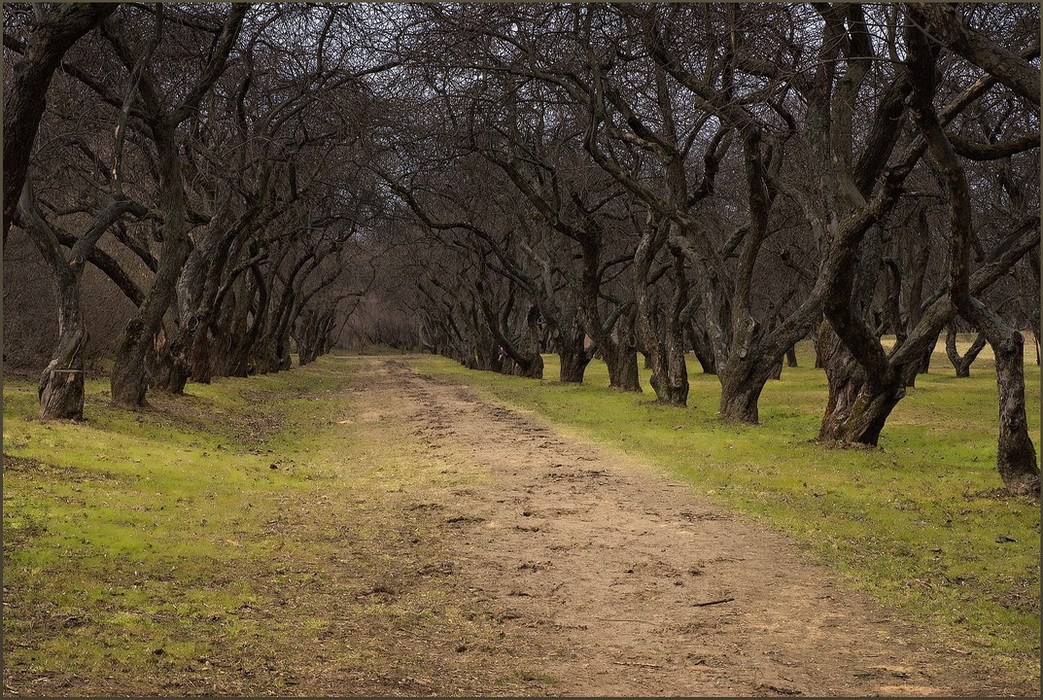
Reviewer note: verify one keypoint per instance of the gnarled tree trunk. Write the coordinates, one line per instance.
(962, 363)
(129, 378)
(821, 348)
(162, 368)
(676, 369)
(925, 363)
(665, 349)
(621, 359)
(532, 368)
(1016, 455)
(776, 372)
(740, 393)
(574, 357)
(61, 383)
(857, 409)
(702, 348)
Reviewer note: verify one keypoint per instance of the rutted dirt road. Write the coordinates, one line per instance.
(627, 583)
(425, 541)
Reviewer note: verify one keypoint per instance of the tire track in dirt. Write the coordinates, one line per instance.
(631, 584)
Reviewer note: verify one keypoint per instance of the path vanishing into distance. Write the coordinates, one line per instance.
(376, 530)
(613, 580)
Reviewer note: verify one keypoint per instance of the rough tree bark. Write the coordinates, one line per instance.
(1016, 455)
(615, 338)
(742, 381)
(916, 284)
(620, 355)
(856, 408)
(573, 356)
(665, 350)
(880, 369)
(701, 347)
(129, 377)
(564, 327)
(61, 383)
(676, 368)
(845, 382)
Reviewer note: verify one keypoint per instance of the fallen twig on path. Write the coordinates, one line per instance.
(636, 663)
(713, 602)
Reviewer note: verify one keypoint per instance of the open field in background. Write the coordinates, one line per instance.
(917, 523)
(940, 363)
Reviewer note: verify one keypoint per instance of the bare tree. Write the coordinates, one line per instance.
(55, 30)
(159, 122)
(1016, 459)
(61, 384)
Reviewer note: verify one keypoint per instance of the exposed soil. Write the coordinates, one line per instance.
(634, 585)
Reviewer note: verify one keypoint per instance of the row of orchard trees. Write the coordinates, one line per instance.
(580, 179)
(204, 158)
(725, 179)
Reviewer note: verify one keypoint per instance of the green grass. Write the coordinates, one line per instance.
(124, 535)
(915, 523)
(157, 545)
(159, 552)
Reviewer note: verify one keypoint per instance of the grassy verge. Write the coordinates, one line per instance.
(917, 523)
(250, 538)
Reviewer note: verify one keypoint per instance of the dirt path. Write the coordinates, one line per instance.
(615, 581)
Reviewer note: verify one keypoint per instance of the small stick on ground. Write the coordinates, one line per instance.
(636, 663)
(713, 602)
